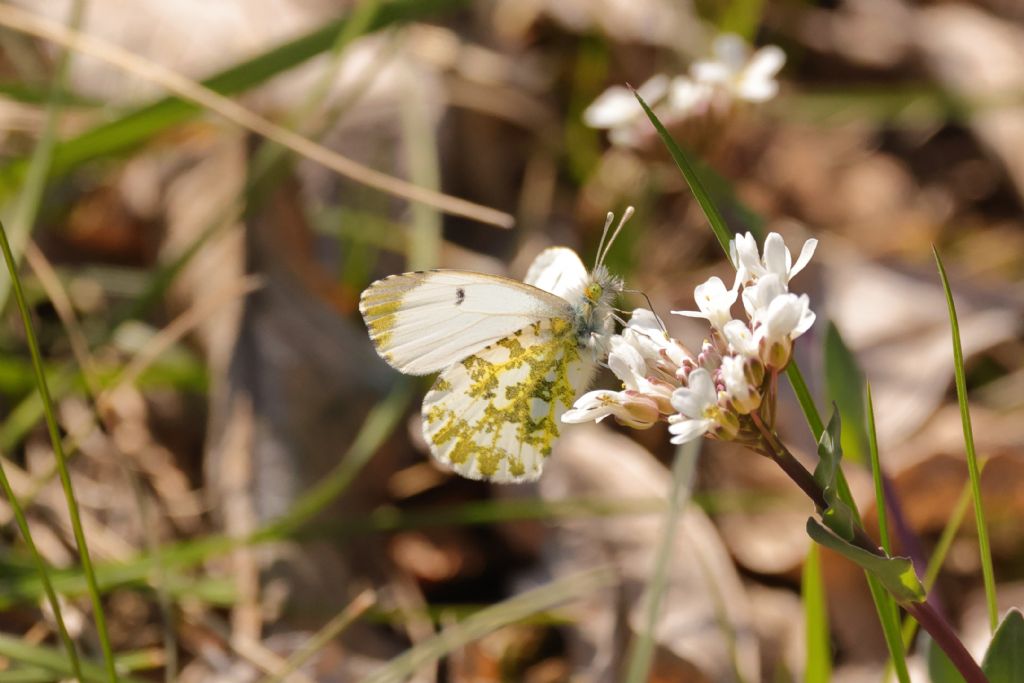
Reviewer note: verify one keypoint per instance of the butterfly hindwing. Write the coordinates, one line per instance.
(425, 321)
(496, 414)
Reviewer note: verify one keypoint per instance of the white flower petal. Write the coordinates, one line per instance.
(698, 395)
(615, 107)
(782, 316)
(627, 363)
(688, 430)
(731, 50)
(805, 256)
(710, 72)
(655, 88)
(777, 258)
(740, 338)
(807, 318)
(756, 89)
(592, 406)
(686, 95)
(766, 63)
(747, 260)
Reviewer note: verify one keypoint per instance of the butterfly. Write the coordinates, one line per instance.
(513, 356)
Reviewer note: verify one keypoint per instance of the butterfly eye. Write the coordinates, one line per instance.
(593, 291)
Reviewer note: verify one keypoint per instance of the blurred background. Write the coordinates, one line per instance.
(197, 192)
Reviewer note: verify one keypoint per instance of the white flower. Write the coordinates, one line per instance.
(745, 76)
(699, 411)
(686, 96)
(630, 408)
(646, 333)
(628, 364)
(714, 302)
(759, 296)
(787, 317)
(617, 110)
(740, 338)
(743, 396)
(750, 266)
(697, 405)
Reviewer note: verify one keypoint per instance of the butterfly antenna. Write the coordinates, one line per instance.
(604, 233)
(650, 306)
(626, 215)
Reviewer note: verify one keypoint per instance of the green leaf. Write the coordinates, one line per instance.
(846, 388)
(837, 516)
(896, 573)
(940, 668)
(1004, 661)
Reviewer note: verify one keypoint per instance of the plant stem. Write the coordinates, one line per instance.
(926, 615)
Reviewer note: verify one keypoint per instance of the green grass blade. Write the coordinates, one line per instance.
(510, 611)
(140, 125)
(818, 664)
(641, 653)
(58, 451)
(689, 170)
(26, 208)
(876, 474)
(42, 573)
(377, 427)
(45, 658)
(806, 401)
(31, 192)
(984, 548)
(891, 624)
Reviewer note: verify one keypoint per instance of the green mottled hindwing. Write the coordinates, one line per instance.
(496, 414)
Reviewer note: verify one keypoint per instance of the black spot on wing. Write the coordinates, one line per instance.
(460, 295)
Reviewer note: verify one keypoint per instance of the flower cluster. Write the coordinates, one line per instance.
(722, 389)
(733, 73)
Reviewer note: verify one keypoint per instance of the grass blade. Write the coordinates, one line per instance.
(641, 653)
(58, 452)
(327, 633)
(379, 424)
(818, 664)
(984, 548)
(138, 126)
(43, 574)
(891, 624)
(227, 108)
(44, 658)
(31, 191)
(510, 611)
(689, 170)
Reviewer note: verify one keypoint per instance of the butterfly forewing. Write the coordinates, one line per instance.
(426, 321)
(496, 414)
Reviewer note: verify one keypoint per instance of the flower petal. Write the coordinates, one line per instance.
(805, 256)
(688, 430)
(777, 258)
(615, 107)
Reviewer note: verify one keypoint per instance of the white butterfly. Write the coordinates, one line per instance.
(513, 355)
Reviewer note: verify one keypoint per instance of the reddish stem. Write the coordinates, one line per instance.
(929, 619)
